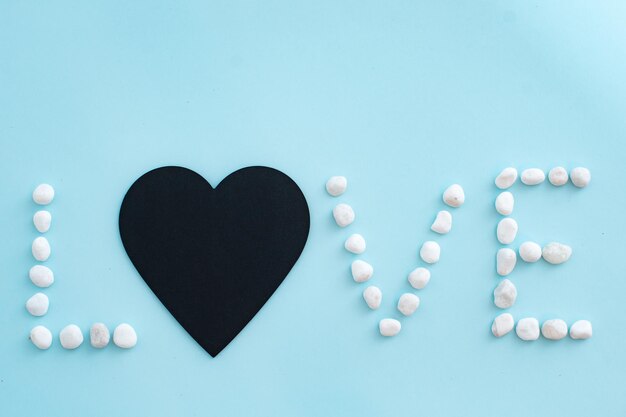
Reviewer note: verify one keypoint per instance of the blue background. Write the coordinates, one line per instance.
(402, 97)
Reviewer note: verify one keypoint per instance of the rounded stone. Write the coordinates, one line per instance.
(527, 329)
(454, 196)
(373, 296)
(558, 176)
(41, 249)
(555, 329)
(71, 337)
(343, 214)
(430, 252)
(42, 220)
(41, 276)
(530, 252)
(408, 303)
(361, 271)
(41, 337)
(124, 336)
(355, 244)
(419, 278)
(389, 327)
(580, 177)
(38, 304)
(335, 186)
(502, 324)
(43, 194)
(99, 335)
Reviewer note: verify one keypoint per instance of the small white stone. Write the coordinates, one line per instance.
(71, 337)
(581, 330)
(99, 335)
(558, 176)
(502, 324)
(506, 231)
(42, 220)
(361, 271)
(41, 276)
(505, 294)
(343, 214)
(408, 303)
(454, 196)
(38, 304)
(336, 185)
(580, 177)
(373, 296)
(355, 244)
(41, 249)
(505, 261)
(389, 327)
(430, 252)
(419, 277)
(556, 253)
(43, 194)
(530, 252)
(555, 329)
(505, 203)
(533, 176)
(41, 337)
(527, 329)
(442, 223)
(506, 178)
(124, 336)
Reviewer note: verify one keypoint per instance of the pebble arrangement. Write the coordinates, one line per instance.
(362, 271)
(71, 336)
(505, 293)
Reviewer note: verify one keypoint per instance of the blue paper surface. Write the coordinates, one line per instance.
(404, 98)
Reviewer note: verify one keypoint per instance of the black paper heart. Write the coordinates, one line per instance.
(214, 256)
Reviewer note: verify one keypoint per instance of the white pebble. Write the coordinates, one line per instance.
(419, 277)
(505, 261)
(336, 185)
(389, 327)
(42, 220)
(533, 176)
(71, 337)
(355, 244)
(555, 329)
(41, 337)
(99, 335)
(361, 271)
(558, 176)
(43, 194)
(124, 336)
(454, 196)
(580, 177)
(502, 325)
(430, 252)
(556, 253)
(505, 294)
(343, 214)
(527, 329)
(506, 178)
(41, 276)
(506, 231)
(581, 330)
(38, 304)
(442, 223)
(505, 203)
(530, 252)
(41, 249)
(373, 296)
(408, 303)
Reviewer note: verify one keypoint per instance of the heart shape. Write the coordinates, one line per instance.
(214, 256)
